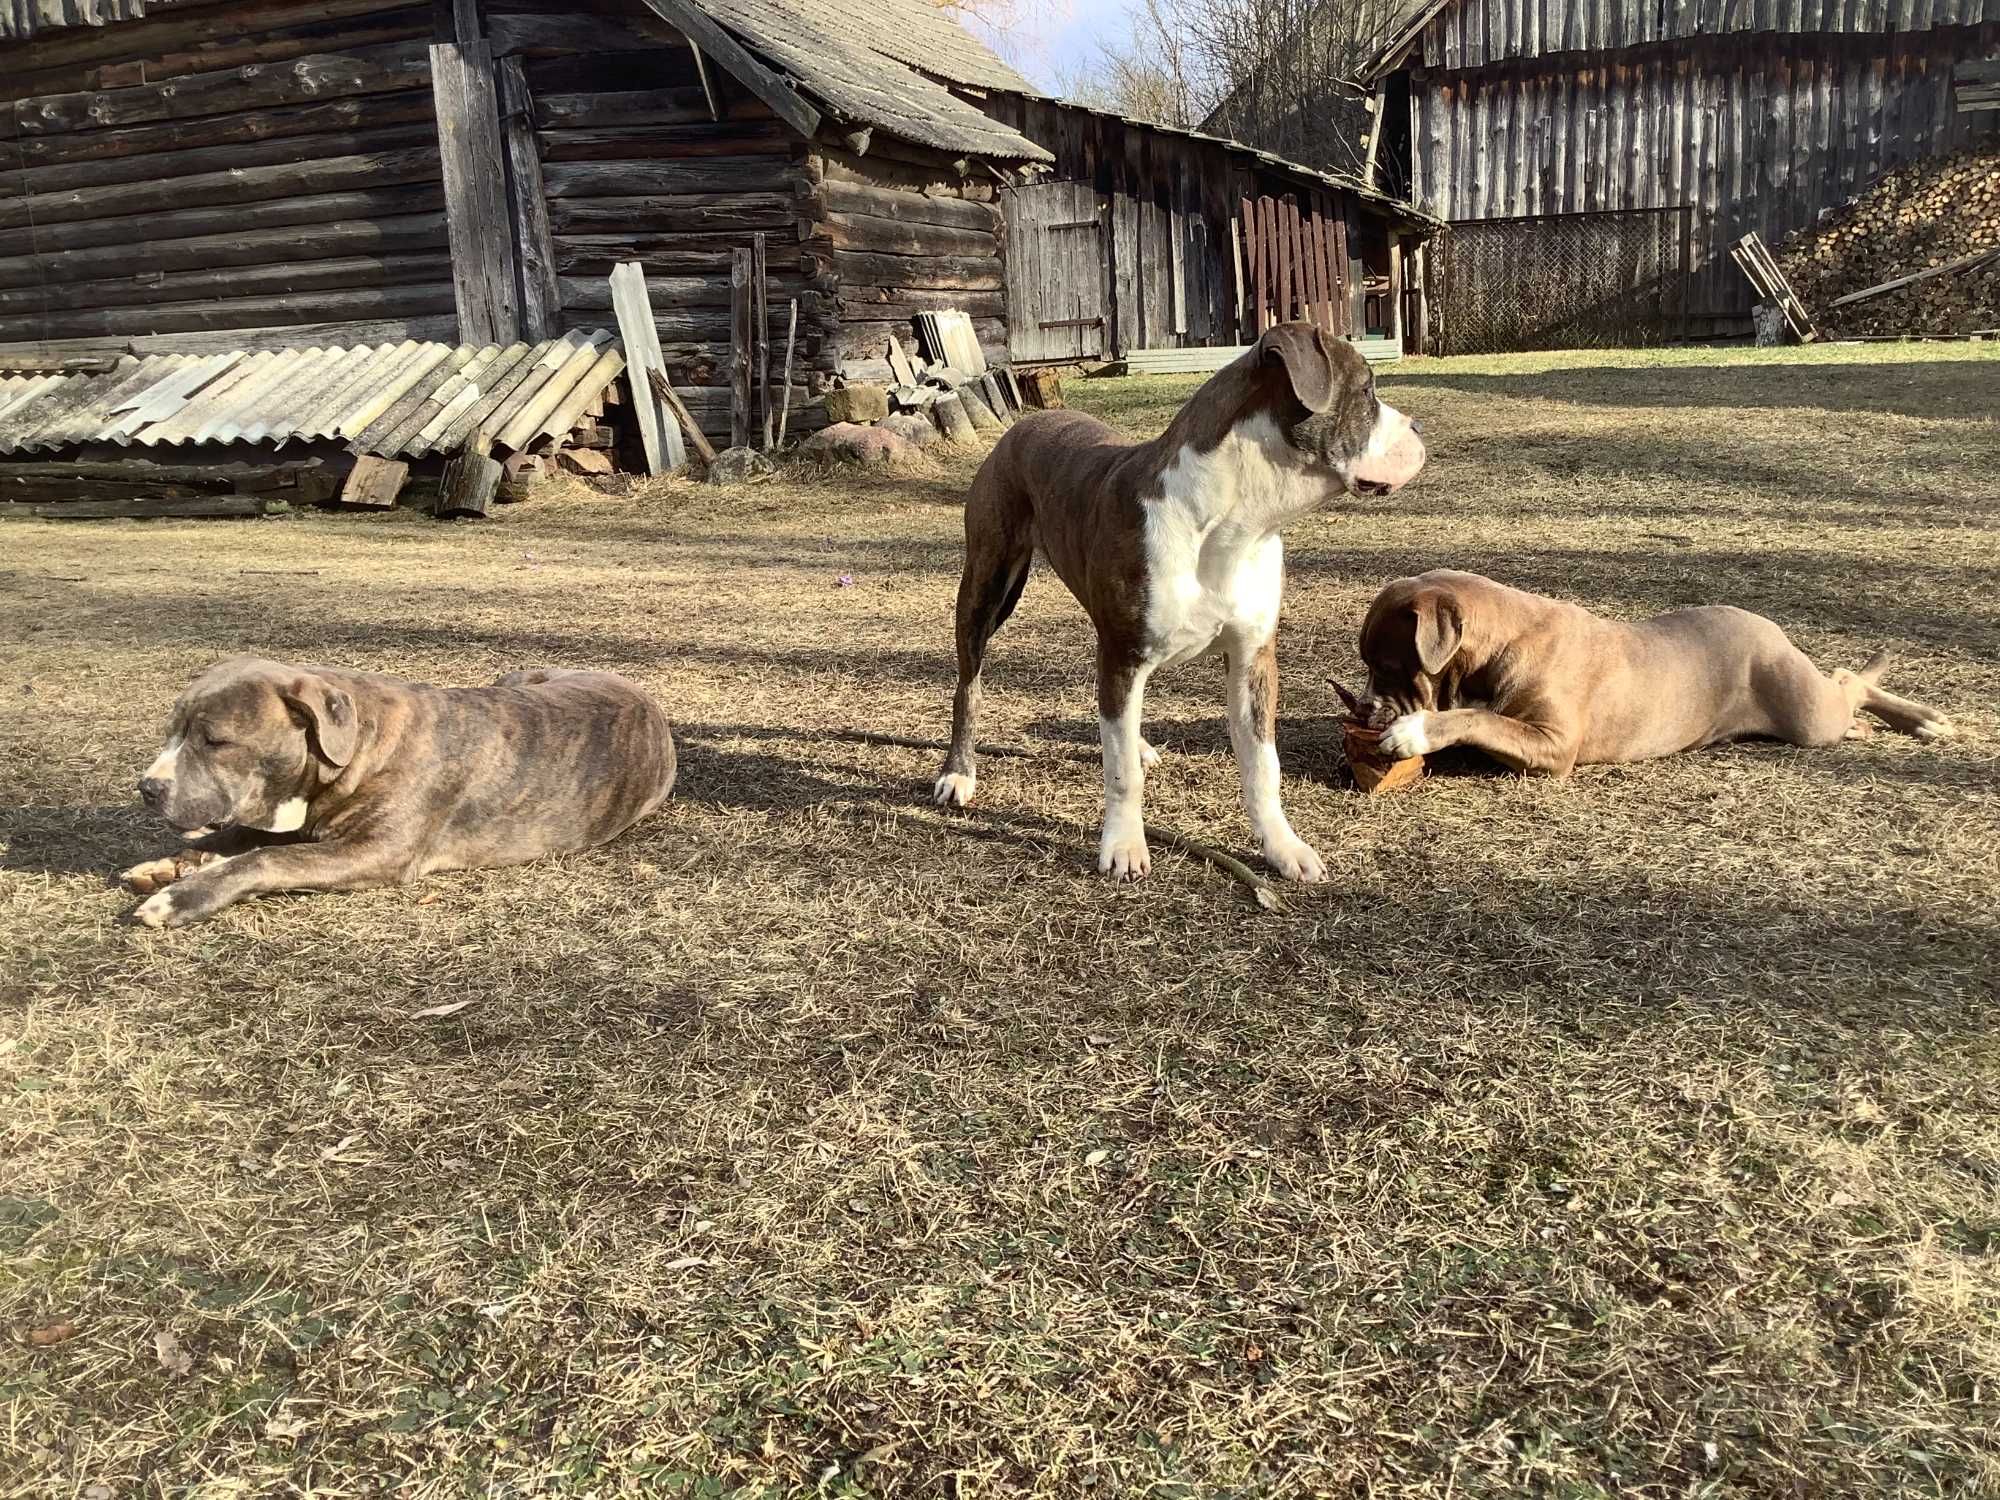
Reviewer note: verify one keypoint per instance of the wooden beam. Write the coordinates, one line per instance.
(374, 481)
(465, 22)
(468, 118)
(1963, 263)
(659, 433)
(760, 324)
(742, 344)
(776, 92)
(534, 246)
(1378, 106)
(707, 88)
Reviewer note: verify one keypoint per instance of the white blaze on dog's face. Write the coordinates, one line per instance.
(251, 742)
(1372, 448)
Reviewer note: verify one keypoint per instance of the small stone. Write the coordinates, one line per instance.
(852, 443)
(740, 466)
(857, 403)
(912, 427)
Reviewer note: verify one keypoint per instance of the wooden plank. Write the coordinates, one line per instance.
(777, 93)
(742, 347)
(202, 507)
(534, 246)
(688, 426)
(1281, 229)
(374, 481)
(365, 70)
(760, 332)
(1963, 263)
(659, 434)
(468, 116)
(170, 195)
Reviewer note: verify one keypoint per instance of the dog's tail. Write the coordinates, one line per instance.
(1877, 665)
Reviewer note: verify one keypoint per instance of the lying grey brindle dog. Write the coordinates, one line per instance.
(1545, 686)
(313, 779)
(1172, 547)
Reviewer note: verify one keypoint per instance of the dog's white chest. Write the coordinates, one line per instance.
(1215, 565)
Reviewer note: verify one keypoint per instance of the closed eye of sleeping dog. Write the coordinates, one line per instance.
(1543, 685)
(288, 778)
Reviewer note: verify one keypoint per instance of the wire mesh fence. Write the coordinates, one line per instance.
(1613, 280)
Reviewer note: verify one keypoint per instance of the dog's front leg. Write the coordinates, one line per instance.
(1121, 698)
(1253, 731)
(333, 866)
(1521, 744)
(151, 875)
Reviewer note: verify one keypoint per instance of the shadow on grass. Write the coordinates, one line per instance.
(49, 840)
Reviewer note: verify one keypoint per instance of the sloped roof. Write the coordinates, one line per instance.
(862, 59)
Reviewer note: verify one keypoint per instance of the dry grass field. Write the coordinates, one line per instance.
(1636, 1134)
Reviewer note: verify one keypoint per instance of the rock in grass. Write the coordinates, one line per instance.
(857, 403)
(740, 466)
(854, 444)
(918, 430)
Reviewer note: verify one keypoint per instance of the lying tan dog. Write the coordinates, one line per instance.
(312, 779)
(1172, 547)
(1541, 685)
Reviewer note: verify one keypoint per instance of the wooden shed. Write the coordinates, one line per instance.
(1145, 237)
(1671, 129)
(187, 176)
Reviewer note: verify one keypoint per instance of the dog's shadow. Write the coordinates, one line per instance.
(41, 839)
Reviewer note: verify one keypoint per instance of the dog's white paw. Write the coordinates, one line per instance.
(144, 879)
(1148, 756)
(156, 911)
(1935, 728)
(1124, 856)
(1295, 860)
(1407, 737)
(954, 789)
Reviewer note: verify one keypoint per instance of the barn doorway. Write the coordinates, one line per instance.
(1058, 262)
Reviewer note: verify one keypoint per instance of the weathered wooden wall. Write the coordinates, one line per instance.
(1755, 130)
(900, 231)
(240, 173)
(1475, 33)
(1172, 202)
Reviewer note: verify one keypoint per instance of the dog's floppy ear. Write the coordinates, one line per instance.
(1301, 349)
(1439, 629)
(329, 717)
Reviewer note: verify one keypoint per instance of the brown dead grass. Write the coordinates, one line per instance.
(1631, 1134)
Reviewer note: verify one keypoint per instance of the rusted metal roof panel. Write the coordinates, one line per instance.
(395, 400)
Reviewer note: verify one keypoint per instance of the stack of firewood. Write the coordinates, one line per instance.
(1916, 218)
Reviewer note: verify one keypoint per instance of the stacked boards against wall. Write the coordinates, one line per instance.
(273, 175)
(650, 152)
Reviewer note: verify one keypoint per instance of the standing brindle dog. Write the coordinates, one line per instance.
(1172, 547)
(315, 779)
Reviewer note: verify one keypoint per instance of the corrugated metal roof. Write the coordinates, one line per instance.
(26, 18)
(835, 49)
(396, 400)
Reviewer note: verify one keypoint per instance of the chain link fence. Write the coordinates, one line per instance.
(1615, 280)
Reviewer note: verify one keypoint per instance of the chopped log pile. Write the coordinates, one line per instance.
(1862, 268)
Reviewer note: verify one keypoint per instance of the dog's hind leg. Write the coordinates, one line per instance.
(1905, 714)
(1806, 706)
(999, 547)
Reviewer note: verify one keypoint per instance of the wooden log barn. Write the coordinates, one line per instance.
(449, 183)
(1558, 138)
(1145, 238)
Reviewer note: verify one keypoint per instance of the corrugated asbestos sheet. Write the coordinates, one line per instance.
(20, 19)
(395, 400)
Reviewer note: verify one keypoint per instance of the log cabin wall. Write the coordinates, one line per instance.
(634, 166)
(1753, 117)
(226, 175)
(899, 231)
